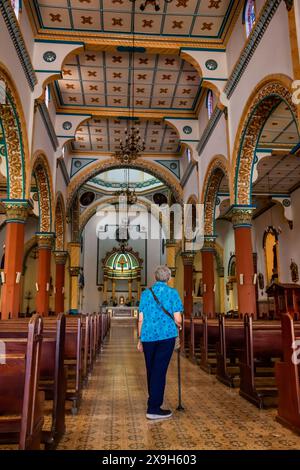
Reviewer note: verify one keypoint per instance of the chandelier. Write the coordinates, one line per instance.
(132, 147)
(154, 3)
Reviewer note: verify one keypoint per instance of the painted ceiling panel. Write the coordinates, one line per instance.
(180, 18)
(123, 80)
(103, 135)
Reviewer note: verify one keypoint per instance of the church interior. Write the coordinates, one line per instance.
(115, 116)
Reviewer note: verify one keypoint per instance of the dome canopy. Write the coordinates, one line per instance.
(122, 264)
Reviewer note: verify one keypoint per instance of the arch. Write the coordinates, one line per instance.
(16, 148)
(266, 96)
(217, 169)
(60, 222)
(110, 164)
(41, 172)
(89, 212)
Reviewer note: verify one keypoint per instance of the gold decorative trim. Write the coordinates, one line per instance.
(60, 222)
(258, 106)
(41, 169)
(140, 164)
(218, 168)
(16, 139)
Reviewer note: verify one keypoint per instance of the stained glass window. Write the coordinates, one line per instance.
(210, 103)
(16, 4)
(249, 15)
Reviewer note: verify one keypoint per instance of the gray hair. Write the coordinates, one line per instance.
(162, 273)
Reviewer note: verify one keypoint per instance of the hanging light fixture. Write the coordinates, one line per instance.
(133, 145)
(127, 193)
(155, 3)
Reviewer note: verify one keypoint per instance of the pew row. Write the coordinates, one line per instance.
(21, 404)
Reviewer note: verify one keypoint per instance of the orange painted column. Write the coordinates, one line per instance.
(208, 277)
(14, 251)
(241, 219)
(45, 244)
(60, 264)
(188, 262)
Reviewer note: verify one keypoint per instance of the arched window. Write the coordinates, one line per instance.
(210, 103)
(47, 96)
(270, 244)
(249, 15)
(17, 6)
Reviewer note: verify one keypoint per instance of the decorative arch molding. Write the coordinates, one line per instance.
(266, 96)
(41, 171)
(217, 169)
(110, 164)
(16, 145)
(60, 222)
(88, 213)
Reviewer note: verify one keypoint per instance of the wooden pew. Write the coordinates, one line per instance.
(209, 339)
(228, 350)
(287, 377)
(195, 338)
(262, 346)
(52, 372)
(21, 416)
(185, 336)
(74, 354)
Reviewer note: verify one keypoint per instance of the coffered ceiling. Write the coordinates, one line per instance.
(119, 80)
(191, 19)
(103, 135)
(280, 130)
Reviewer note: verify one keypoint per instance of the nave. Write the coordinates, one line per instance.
(112, 414)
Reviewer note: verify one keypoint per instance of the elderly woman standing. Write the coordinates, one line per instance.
(159, 318)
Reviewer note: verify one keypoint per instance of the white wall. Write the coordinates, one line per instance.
(154, 257)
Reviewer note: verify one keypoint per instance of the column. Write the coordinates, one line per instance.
(45, 244)
(74, 253)
(188, 261)
(241, 219)
(60, 264)
(130, 289)
(16, 215)
(208, 276)
(138, 288)
(113, 288)
(171, 260)
(104, 289)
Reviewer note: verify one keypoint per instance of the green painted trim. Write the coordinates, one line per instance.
(73, 114)
(48, 71)
(57, 41)
(215, 79)
(201, 49)
(66, 136)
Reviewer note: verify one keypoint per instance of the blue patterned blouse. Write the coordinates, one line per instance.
(156, 324)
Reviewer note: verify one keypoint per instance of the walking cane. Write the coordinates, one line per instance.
(179, 407)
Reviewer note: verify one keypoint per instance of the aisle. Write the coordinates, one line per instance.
(112, 415)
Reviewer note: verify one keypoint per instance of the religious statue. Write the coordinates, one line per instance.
(274, 277)
(294, 271)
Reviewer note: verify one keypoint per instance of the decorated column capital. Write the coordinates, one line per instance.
(171, 243)
(60, 257)
(188, 257)
(45, 240)
(74, 271)
(209, 243)
(16, 210)
(241, 216)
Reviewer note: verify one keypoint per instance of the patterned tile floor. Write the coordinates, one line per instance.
(112, 415)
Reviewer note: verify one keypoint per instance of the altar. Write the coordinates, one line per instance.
(122, 312)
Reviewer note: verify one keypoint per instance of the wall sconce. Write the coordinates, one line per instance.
(3, 277)
(18, 278)
(204, 287)
(47, 287)
(63, 290)
(214, 289)
(54, 290)
(254, 278)
(36, 286)
(241, 279)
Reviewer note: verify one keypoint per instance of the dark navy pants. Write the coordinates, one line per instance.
(157, 357)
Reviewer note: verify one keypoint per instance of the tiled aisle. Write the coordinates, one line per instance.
(112, 415)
